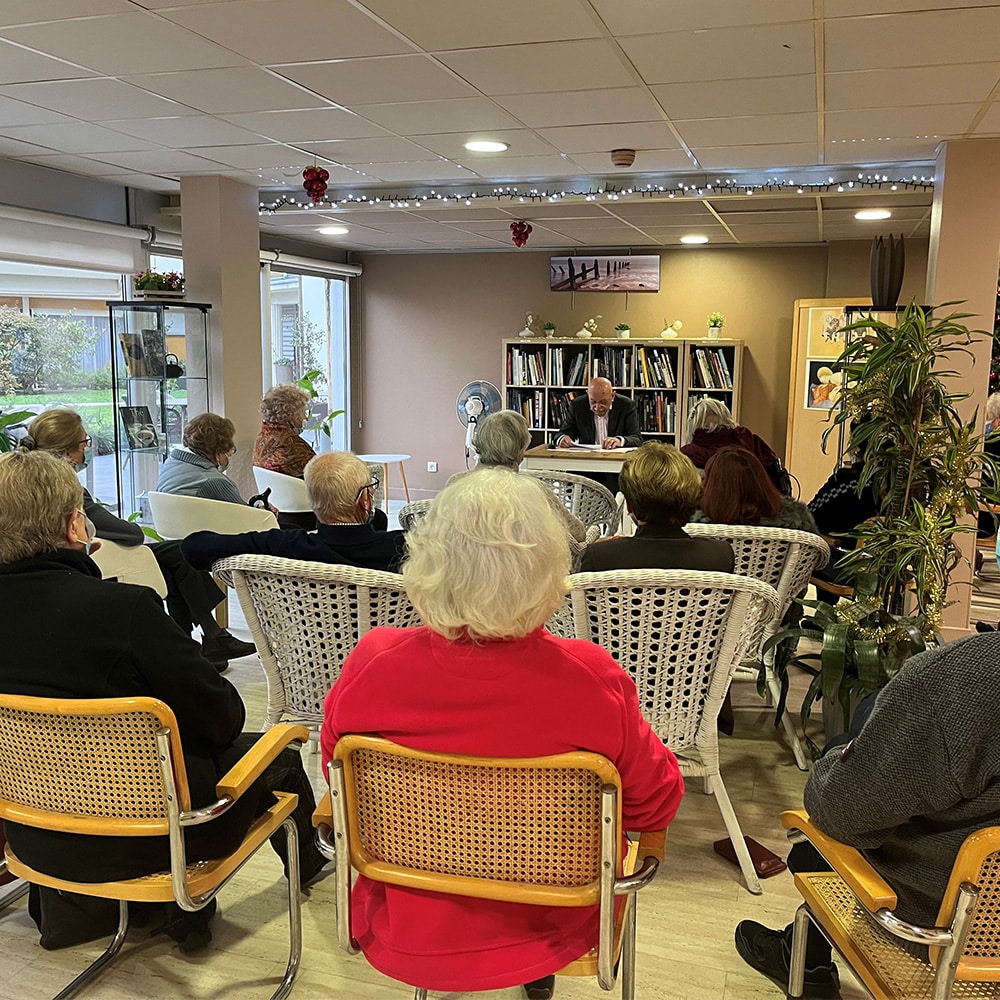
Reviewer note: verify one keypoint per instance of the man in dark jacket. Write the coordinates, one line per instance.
(343, 498)
(70, 634)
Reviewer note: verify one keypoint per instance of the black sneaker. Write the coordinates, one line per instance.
(540, 989)
(767, 952)
(226, 647)
(985, 627)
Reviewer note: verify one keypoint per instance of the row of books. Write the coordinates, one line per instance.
(710, 369)
(525, 367)
(559, 407)
(657, 413)
(567, 368)
(610, 363)
(654, 368)
(530, 403)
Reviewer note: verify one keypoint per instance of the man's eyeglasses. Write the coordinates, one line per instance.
(373, 485)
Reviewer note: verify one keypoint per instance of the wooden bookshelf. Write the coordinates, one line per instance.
(663, 377)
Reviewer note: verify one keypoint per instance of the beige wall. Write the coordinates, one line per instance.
(847, 272)
(430, 323)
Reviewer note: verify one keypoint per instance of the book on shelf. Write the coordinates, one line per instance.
(135, 357)
(152, 349)
(727, 374)
(140, 431)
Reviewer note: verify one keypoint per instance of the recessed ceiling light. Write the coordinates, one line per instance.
(870, 214)
(694, 239)
(333, 230)
(485, 146)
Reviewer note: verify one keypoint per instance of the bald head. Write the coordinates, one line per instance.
(601, 395)
(336, 482)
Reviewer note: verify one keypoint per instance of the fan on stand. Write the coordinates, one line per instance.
(474, 402)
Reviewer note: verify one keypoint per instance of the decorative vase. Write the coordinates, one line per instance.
(282, 374)
(583, 334)
(527, 332)
(623, 334)
(550, 333)
(714, 332)
(887, 262)
(668, 334)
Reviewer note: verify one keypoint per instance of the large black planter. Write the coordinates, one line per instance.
(887, 263)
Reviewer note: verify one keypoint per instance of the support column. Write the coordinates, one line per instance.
(221, 236)
(962, 266)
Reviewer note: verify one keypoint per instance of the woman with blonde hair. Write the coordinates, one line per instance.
(191, 595)
(279, 446)
(482, 676)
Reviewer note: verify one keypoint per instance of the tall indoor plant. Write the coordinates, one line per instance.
(923, 462)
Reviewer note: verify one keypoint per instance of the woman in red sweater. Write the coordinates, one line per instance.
(482, 676)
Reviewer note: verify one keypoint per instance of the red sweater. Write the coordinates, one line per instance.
(705, 444)
(523, 698)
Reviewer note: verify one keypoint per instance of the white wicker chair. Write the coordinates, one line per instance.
(305, 617)
(591, 502)
(409, 514)
(680, 635)
(785, 559)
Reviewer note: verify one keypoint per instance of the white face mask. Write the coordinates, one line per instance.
(91, 535)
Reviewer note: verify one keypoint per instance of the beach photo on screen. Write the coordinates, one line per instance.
(622, 273)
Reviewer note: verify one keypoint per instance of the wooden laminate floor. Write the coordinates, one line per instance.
(686, 918)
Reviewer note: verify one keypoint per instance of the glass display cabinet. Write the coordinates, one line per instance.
(160, 379)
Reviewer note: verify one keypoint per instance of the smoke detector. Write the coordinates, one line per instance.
(623, 157)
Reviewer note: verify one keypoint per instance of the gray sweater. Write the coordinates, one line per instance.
(191, 475)
(793, 514)
(923, 773)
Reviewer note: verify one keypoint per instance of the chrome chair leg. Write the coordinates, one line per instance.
(628, 952)
(95, 967)
(420, 994)
(797, 965)
(294, 912)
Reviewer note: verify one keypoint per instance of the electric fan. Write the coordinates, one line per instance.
(475, 401)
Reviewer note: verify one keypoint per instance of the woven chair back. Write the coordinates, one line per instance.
(591, 502)
(679, 634)
(524, 822)
(86, 765)
(412, 513)
(306, 617)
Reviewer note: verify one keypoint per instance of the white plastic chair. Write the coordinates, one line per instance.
(785, 559)
(130, 564)
(591, 502)
(305, 617)
(288, 493)
(680, 635)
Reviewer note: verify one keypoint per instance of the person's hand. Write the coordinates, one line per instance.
(564, 442)
(609, 443)
(274, 510)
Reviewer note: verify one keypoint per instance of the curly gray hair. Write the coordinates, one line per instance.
(286, 405)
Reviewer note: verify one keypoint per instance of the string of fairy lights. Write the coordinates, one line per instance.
(523, 194)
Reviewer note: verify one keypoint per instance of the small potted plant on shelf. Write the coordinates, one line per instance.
(283, 369)
(623, 331)
(716, 321)
(549, 328)
(158, 285)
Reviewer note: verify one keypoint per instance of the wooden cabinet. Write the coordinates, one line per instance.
(665, 378)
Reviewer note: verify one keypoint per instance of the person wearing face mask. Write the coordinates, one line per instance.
(191, 595)
(197, 469)
(351, 527)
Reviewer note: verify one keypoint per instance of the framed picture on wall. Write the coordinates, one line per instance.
(823, 385)
(826, 332)
(620, 273)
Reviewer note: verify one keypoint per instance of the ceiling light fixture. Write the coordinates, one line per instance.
(694, 238)
(486, 146)
(873, 214)
(333, 230)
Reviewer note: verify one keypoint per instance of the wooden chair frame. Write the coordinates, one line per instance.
(968, 912)
(340, 829)
(55, 759)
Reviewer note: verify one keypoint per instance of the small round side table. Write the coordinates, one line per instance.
(385, 461)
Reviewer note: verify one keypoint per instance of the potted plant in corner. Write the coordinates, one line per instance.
(623, 331)
(283, 369)
(925, 463)
(716, 321)
(549, 328)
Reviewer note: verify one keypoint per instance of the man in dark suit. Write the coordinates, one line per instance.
(604, 418)
(343, 499)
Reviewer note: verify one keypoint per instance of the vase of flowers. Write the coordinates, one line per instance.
(588, 329)
(670, 330)
(716, 321)
(158, 285)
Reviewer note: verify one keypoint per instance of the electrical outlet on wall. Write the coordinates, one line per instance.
(432, 466)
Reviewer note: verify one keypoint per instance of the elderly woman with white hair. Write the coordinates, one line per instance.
(502, 438)
(482, 676)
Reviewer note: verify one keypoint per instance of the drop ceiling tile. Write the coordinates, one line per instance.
(766, 157)
(450, 25)
(580, 107)
(17, 148)
(35, 11)
(550, 212)
(467, 114)
(186, 132)
(72, 164)
(253, 157)
(425, 171)
(750, 130)
(765, 202)
(95, 99)
(542, 67)
(720, 99)
(145, 182)
(603, 138)
(768, 215)
(521, 142)
(378, 81)
(639, 17)
(723, 53)
(316, 125)
(854, 8)
(228, 90)
(900, 123)
(894, 88)
(14, 112)
(924, 38)
(164, 161)
(360, 151)
(646, 161)
(78, 137)
(902, 149)
(18, 65)
(119, 44)
(990, 124)
(892, 199)
(506, 167)
(283, 31)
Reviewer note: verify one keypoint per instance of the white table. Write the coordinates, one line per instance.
(385, 461)
(570, 460)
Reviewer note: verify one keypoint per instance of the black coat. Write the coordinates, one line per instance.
(623, 422)
(653, 547)
(70, 634)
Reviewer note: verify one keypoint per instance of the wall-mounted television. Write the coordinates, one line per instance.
(621, 273)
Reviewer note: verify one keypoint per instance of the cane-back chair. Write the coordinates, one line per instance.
(680, 635)
(115, 767)
(543, 830)
(413, 513)
(853, 907)
(305, 617)
(785, 559)
(591, 502)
